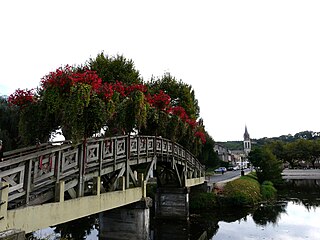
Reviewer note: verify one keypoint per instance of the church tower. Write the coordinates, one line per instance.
(246, 142)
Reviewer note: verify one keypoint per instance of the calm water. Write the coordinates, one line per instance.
(295, 216)
(294, 222)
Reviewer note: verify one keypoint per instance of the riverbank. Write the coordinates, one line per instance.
(245, 191)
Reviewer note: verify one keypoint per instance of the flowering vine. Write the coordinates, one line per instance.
(22, 97)
(79, 99)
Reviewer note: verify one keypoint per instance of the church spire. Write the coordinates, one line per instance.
(246, 141)
(246, 135)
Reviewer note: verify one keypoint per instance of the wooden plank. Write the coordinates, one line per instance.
(15, 196)
(72, 193)
(134, 180)
(42, 198)
(151, 167)
(11, 171)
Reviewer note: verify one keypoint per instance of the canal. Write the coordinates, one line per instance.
(295, 215)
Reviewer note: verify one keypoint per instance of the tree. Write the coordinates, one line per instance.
(181, 93)
(9, 119)
(115, 69)
(178, 101)
(108, 92)
(208, 156)
(315, 152)
(267, 166)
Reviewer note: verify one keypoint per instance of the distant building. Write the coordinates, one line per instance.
(223, 153)
(241, 155)
(237, 157)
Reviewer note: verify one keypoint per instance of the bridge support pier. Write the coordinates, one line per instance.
(128, 222)
(172, 203)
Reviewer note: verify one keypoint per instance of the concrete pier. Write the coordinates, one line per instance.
(172, 203)
(129, 222)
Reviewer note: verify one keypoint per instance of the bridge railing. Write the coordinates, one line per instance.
(33, 173)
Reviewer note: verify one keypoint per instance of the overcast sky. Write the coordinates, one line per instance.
(254, 63)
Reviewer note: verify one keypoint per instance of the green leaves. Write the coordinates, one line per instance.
(268, 167)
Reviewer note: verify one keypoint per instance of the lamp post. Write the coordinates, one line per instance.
(241, 165)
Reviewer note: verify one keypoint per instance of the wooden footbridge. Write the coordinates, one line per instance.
(49, 184)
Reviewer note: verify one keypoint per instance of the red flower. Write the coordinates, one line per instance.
(21, 98)
(160, 100)
(65, 78)
(192, 123)
(180, 112)
(201, 135)
(120, 88)
(87, 77)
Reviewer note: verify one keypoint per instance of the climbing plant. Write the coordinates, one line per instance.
(108, 92)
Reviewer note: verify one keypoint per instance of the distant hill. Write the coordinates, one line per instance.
(232, 145)
(309, 135)
(237, 145)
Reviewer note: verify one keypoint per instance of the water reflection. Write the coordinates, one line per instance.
(266, 214)
(83, 228)
(293, 222)
(295, 216)
(77, 229)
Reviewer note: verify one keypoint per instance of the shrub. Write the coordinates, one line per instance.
(203, 201)
(268, 167)
(244, 191)
(268, 191)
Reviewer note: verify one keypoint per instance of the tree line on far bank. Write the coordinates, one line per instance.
(270, 158)
(106, 92)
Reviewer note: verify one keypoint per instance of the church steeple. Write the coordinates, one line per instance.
(246, 135)
(246, 141)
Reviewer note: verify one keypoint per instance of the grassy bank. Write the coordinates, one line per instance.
(242, 192)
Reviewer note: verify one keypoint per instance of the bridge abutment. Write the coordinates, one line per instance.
(172, 203)
(128, 222)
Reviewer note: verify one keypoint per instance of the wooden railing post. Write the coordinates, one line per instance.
(100, 156)
(27, 180)
(115, 147)
(138, 149)
(122, 183)
(82, 159)
(58, 166)
(96, 185)
(59, 191)
(127, 162)
(142, 184)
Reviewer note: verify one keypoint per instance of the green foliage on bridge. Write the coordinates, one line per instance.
(106, 92)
